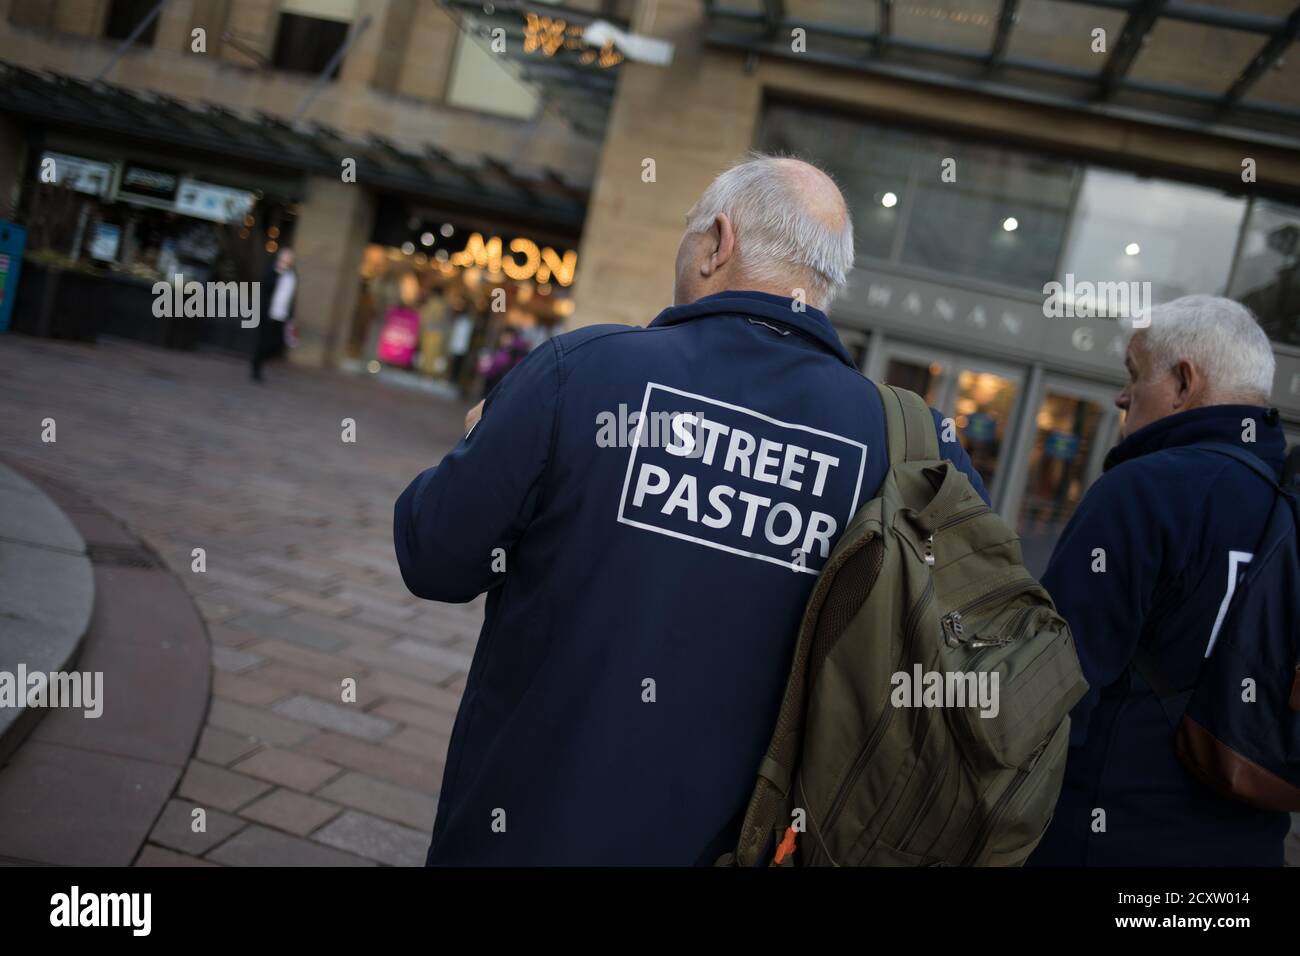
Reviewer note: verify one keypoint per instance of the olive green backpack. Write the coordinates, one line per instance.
(923, 620)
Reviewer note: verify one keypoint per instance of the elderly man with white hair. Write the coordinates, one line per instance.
(647, 510)
(1144, 573)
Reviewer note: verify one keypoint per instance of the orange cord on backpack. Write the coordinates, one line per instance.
(786, 848)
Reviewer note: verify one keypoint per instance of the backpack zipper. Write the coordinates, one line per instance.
(931, 793)
(882, 723)
(951, 623)
(1022, 624)
(986, 828)
(928, 543)
(964, 516)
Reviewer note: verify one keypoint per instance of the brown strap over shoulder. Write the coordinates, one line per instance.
(1224, 770)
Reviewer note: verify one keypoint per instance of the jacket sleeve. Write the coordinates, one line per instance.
(953, 451)
(1103, 577)
(450, 521)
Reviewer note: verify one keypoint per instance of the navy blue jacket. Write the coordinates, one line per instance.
(637, 643)
(1166, 514)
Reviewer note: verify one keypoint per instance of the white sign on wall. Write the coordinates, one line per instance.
(83, 175)
(208, 201)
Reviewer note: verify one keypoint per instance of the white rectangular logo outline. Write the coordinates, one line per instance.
(636, 444)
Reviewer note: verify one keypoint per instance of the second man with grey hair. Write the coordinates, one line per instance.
(648, 510)
(1145, 573)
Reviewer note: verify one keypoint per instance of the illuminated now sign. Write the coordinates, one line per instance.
(524, 259)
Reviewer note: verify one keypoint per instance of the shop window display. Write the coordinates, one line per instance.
(463, 326)
(103, 231)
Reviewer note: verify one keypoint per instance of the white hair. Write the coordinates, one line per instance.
(777, 234)
(1220, 337)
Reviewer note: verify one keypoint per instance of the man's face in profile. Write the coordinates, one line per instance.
(1152, 389)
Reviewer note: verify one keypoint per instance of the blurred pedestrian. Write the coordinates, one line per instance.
(458, 344)
(278, 290)
(511, 349)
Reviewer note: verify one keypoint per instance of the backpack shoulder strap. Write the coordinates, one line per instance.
(1253, 462)
(909, 426)
(1291, 470)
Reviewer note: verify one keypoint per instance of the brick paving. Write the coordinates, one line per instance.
(300, 593)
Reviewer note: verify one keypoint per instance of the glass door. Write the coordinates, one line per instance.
(1074, 426)
(983, 404)
(980, 397)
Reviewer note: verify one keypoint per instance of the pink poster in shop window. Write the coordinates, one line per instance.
(399, 337)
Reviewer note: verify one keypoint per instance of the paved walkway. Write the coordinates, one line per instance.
(301, 590)
(87, 791)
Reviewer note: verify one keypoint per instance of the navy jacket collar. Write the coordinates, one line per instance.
(810, 323)
(1213, 423)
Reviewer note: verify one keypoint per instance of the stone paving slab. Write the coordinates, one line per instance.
(71, 807)
(288, 768)
(209, 787)
(257, 845)
(373, 838)
(221, 747)
(291, 812)
(263, 725)
(234, 661)
(382, 799)
(386, 763)
(344, 719)
(175, 828)
(153, 855)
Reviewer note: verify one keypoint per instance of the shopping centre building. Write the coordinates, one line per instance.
(433, 197)
(1171, 158)
(1018, 170)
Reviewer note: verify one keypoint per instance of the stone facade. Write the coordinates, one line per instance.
(393, 81)
(702, 114)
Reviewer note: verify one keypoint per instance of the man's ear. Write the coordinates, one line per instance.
(723, 237)
(1190, 384)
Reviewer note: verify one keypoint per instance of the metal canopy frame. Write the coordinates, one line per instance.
(886, 52)
(545, 201)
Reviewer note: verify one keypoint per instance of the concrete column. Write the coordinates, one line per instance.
(212, 16)
(333, 229)
(173, 27)
(364, 58)
(254, 21)
(692, 119)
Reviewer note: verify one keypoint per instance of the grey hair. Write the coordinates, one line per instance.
(775, 229)
(1220, 337)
